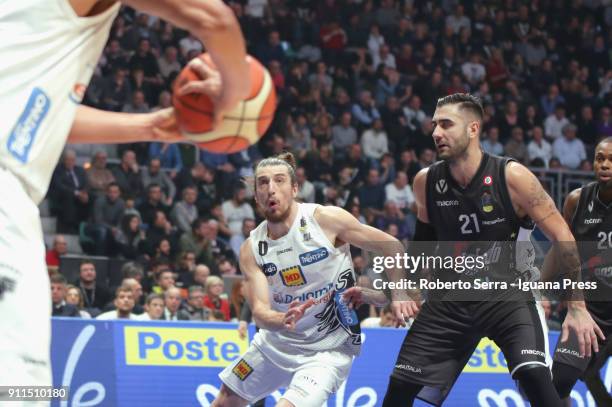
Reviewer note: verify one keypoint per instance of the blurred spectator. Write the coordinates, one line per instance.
(169, 156)
(491, 143)
(392, 215)
(236, 241)
(272, 50)
(306, 190)
(400, 193)
(195, 241)
(413, 113)
(197, 277)
(168, 62)
(185, 212)
(237, 299)
(124, 304)
(516, 148)
(60, 307)
(473, 70)
(144, 59)
(237, 209)
(128, 174)
(458, 20)
(226, 267)
(116, 91)
(130, 238)
(136, 288)
(73, 296)
(172, 311)
(60, 248)
(554, 123)
(195, 305)
(69, 196)
(551, 101)
(219, 247)
(604, 125)
(343, 135)
(365, 111)
(159, 230)
(153, 204)
(213, 299)
(569, 149)
(190, 43)
(538, 147)
(98, 175)
(137, 104)
(154, 175)
(108, 212)
(587, 127)
(374, 141)
(95, 295)
(154, 308)
(372, 193)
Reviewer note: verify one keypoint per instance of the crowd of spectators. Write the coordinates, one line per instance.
(357, 82)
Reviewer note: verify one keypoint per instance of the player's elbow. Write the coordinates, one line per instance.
(217, 17)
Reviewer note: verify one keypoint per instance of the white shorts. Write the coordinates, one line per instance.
(25, 296)
(309, 380)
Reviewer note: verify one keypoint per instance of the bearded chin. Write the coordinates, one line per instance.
(277, 217)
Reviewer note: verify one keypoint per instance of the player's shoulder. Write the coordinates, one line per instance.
(516, 172)
(571, 200)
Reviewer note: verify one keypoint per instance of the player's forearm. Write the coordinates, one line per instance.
(269, 319)
(98, 126)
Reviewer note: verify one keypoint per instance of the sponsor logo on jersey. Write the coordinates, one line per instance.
(303, 224)
(293, 276)
(593, 221)
(307, 236)
(242, 370)
(590, 207)
(313, 256)
(496, 221)
(263, 247)
(283, 251)
(269, 269)
(78, 93)
(321, 295)
(452, 202)
(22, 136)
(441, 186)
(487, 180)
(487, 202)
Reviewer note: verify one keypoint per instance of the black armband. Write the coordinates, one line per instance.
(424, 232)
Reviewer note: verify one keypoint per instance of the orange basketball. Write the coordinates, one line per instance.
(241, 127)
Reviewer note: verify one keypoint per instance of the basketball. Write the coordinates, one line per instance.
(241, 127)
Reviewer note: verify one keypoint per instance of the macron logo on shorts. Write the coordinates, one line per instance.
(24, 132)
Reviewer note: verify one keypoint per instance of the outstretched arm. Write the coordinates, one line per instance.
(532, 199)
(343, 226)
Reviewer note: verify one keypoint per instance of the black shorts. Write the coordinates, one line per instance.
(569, 352)
(445, 334)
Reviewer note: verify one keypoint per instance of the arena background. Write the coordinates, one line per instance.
(357, 83)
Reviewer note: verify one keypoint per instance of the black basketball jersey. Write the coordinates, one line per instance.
(592, 228)
(481, 219)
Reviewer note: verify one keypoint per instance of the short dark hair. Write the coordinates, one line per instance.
(86, 261)
(153, 296)
(465, 102)
(58, 279)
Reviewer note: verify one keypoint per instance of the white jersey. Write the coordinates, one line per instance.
(301, 265)
(48, 56)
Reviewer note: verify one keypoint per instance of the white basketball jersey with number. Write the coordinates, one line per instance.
(301, 265)
(47, 57)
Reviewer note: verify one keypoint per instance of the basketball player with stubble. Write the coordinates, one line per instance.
(461, 199)
(49, 50)
(588, 212)
(297, 264)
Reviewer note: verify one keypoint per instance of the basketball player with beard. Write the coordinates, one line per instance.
(296, 265)
(49, 51)
(588, 212)
(475, 198)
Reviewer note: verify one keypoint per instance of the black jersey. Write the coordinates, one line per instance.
(480, 219)
(592, 228)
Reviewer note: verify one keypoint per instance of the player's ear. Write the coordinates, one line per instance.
(474, 128)
(294, 190)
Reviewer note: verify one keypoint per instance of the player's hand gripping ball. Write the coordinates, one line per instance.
(241, 127)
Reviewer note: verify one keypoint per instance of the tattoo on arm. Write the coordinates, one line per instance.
(543, 218)
(537, 195)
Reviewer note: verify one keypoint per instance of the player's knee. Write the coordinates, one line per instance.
(564, 378)
(530, 374)
(227, 398)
